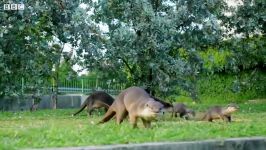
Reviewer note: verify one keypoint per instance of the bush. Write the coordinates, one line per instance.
(226, 88)
(215, 60)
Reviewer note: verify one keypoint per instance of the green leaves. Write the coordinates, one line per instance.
(215, 60)
(27, 39)
(142, 36)
(156, 44)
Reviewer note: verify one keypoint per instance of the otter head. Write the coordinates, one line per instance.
(232, 108)
(190, 113)
(153, 108)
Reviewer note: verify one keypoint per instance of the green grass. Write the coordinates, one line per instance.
(48, 128)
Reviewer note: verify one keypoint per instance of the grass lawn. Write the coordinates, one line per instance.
(49, 128)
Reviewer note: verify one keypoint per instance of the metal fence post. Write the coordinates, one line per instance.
(96, 83)
(53, 84)
(82, 88)
(22, 85)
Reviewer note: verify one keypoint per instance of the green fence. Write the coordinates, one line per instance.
(75, 86)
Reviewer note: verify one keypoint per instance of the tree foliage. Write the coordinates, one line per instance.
(147, 40)
(31, 40)
(245, 31)
(156, 44)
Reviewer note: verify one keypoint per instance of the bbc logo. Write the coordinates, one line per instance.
(14, 6)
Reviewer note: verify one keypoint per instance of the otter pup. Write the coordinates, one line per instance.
(34, 107)
(183, 111)
(136, 103)
(218, 112)
(97, 99)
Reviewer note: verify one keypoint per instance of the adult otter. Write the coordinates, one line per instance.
(97, 99)
(218, 112)
(165, 104)
(183, 111)
(136, 103)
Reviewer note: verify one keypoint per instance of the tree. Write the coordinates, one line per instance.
(247, 28)
(31, 40)
(24, 47)
(153, 43)
(66, 71)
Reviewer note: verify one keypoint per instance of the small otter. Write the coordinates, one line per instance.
(136, 103)
(183, 111)
(218, 112)
(97, 99)
(34, 107)
(36, 98)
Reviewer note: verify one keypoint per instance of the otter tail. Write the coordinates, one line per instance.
(108, 115)
(82, 107)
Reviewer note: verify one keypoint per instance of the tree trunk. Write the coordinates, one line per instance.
(55, 89)
(56, 79)
(54, 100)
(150, 89)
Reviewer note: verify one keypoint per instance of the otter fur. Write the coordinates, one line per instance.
(183, 111)
(34, 107)
(166, 105)
(97, 99)
(218, 112)
(135, 103)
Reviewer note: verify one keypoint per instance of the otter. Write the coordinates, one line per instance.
(135, 103)
(36, 98)
(183, 111)
(218, 112)
(166, 105)
(97, 99)
(34, 107)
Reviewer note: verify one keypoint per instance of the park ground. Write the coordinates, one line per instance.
(57, 128)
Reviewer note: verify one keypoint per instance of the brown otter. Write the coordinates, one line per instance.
(34, 107)
(136, 103)
(97, 99)
(166, 105)
(36, 98)
(183, 111)
(218, 112)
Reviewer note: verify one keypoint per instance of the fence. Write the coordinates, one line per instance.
(76, 86)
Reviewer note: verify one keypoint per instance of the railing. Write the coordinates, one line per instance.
(77, 86)
(70, 90)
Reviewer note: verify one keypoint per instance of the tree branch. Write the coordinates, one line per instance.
(127, 65)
